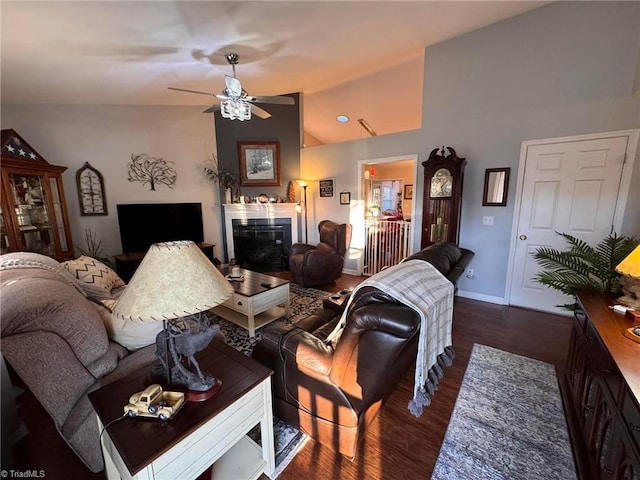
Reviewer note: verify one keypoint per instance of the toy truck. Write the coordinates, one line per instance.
(153, 402)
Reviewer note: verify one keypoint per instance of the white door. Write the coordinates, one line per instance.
(569, 186)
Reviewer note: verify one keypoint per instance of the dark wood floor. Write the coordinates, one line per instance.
(398, 446)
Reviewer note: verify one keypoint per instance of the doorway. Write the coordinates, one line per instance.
(386, 193)
(576, 185)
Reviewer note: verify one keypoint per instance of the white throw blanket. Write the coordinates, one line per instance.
(419, 285)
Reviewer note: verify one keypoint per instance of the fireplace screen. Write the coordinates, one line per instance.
(262, 244)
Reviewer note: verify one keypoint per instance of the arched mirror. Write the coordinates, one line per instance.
(496, 185)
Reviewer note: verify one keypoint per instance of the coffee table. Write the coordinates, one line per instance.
(256, 300)
(212, 432)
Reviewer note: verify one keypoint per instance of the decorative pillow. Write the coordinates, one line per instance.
(90, 270)
(131, 335)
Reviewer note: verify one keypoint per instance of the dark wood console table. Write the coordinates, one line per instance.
(127, 264)
(601, 391)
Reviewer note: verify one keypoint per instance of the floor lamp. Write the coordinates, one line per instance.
(304, 186)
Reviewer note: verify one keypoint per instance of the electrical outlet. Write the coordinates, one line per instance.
(470, 273)
(487, 220)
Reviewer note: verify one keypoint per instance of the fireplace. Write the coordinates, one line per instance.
(262, 244)
(259, 235)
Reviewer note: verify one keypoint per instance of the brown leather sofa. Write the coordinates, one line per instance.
(313, 265)
(334, 394)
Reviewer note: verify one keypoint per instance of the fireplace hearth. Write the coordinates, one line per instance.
(262, 244)
(269, 214)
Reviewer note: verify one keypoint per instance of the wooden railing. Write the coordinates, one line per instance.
(387, 242)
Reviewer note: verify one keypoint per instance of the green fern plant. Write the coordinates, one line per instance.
(583, 266)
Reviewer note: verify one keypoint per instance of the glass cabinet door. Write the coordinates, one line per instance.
(34, 222)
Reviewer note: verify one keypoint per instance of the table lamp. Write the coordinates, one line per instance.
(174, 284)
(629, 268)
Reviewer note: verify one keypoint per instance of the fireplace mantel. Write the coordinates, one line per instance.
(258, 210)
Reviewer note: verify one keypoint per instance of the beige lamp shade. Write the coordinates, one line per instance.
(631, 264)
(175, 279)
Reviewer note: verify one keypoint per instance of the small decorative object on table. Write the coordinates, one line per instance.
(153, 402)
(629, 268)
(235, 274)
(633, 333)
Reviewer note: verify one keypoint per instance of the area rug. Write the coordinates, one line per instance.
(507, 423)
(302, 301)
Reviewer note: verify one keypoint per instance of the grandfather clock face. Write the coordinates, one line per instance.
(442, 184)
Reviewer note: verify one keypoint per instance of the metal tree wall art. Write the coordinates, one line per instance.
(145, 169)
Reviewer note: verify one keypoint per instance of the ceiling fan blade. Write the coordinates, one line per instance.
(259, 112)
(212, 109)
(191, 91)
(234, 88)
(278, 99)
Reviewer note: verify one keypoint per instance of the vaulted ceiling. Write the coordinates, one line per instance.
(361, 59)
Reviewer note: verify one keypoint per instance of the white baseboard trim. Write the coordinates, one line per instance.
(349, 271)
(482, 297)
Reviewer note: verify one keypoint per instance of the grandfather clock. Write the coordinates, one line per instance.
(442, 197)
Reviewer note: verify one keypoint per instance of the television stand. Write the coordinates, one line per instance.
(127, 263)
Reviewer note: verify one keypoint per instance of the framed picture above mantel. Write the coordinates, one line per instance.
(259, 164)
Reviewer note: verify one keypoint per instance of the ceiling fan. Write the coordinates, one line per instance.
(236, 103)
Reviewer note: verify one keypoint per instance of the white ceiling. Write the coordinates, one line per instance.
(362, 59)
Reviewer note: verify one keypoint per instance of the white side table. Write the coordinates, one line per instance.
(202, 434)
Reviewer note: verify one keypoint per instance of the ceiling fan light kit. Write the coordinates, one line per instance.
(235, 109)
(235, 103)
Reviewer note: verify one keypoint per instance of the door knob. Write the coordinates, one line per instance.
(523, 237)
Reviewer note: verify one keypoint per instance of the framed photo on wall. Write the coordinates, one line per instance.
(326, 187)
(345, 198)
(408, 192)
(259, 164)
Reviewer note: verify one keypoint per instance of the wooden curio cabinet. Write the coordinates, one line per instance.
(442, 197)
(33, 216)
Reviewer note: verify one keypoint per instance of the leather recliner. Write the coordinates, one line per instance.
(313, 265)
(333, 394)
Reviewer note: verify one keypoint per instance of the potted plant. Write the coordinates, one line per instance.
(583, 266)
(225, 178)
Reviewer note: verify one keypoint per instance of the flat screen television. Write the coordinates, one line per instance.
(143, 224)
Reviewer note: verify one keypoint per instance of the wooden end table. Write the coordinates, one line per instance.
(255, 301)
(212, 432)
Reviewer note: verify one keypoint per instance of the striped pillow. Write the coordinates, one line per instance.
(90, 270)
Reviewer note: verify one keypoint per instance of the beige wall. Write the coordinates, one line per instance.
(106, 136)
